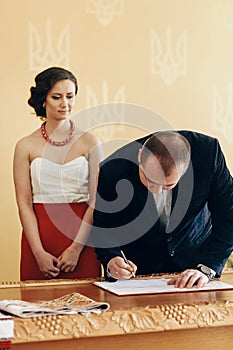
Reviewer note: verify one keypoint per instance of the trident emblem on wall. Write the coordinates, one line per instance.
(105, 10)
(50, 52)
(112, 110)
(223, 113)
(168, 59)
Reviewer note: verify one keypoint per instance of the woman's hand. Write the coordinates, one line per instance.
(119, 269)
(68, 260)
(48, 264)
(189, 278)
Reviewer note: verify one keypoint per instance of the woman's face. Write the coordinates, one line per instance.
(60, 100)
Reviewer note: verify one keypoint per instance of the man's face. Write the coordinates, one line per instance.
(152, 176)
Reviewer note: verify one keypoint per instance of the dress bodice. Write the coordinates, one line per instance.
(59, 183)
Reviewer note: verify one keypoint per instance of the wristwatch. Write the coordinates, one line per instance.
(206, 270)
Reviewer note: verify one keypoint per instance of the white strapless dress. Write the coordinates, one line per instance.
(59, 183)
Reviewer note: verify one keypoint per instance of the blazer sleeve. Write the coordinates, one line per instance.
(105, 218)
(219, 244)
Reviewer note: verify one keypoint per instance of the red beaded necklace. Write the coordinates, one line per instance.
(58, 143)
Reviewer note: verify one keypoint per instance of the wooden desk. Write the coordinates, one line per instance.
(200, 320)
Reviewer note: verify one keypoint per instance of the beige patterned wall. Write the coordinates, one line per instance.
(151, 58)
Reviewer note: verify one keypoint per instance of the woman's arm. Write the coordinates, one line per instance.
(21, 173)
(69, 258)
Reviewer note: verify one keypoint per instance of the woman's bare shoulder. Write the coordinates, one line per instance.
(28, 140)
(88, 137)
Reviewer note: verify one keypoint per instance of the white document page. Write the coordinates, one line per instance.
(154, 285)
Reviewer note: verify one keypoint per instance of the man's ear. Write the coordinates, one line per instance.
(139, 155)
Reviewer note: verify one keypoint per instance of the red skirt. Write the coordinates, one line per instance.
(58, 225)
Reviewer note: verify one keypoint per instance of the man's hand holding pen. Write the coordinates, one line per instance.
(122, 268)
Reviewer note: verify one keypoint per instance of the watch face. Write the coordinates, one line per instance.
(206, 270)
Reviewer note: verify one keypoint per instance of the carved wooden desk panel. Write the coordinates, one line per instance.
(200, 320)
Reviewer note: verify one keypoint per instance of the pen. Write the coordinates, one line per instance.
(126, 261)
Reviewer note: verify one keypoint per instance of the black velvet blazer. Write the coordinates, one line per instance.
(200, 229)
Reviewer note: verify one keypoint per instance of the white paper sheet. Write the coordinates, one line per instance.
(154, 285)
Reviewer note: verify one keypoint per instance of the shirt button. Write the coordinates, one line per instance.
(169, 238)
(172, 253)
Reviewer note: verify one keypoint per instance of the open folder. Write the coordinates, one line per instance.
(153, 286)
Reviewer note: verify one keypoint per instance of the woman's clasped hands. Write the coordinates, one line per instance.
(52, 266)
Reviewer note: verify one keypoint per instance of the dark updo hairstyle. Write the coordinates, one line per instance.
(44, 83)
